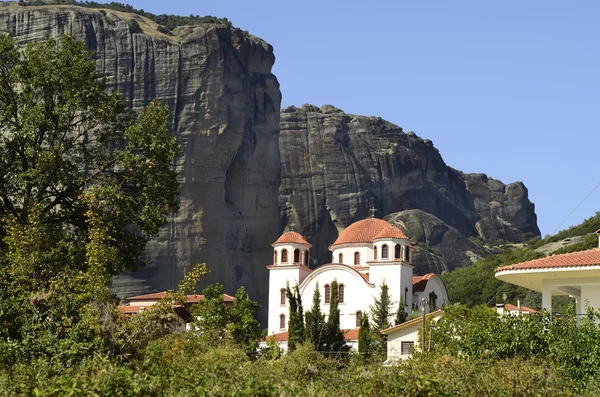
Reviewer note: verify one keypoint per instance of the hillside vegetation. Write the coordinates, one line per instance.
(476, 285)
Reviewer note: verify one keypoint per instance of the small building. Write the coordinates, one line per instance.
(576, 274)
(504, 309)
(136, 304)
(403, 339)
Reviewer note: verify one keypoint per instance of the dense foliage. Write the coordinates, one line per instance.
(476, 284)
(167, 21)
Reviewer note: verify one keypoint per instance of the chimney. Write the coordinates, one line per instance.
(500, 309)
(519, 305)
(142, 309)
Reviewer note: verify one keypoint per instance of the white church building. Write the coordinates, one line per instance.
(364, 256)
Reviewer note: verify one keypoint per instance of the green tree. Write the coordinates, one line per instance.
(401, 315)
(381, 311)
(210, 316)
(364, 337)
(244, 327)
(296, 317)
(316, 327)
(335, 337)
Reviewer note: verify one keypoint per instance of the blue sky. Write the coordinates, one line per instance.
(510, 89)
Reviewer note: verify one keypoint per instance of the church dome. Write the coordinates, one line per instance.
(292, 238)
(362, 231)
(391, 232)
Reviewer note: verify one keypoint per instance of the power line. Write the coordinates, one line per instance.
(578, 205)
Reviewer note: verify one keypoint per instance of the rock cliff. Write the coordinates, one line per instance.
(336, 166)
(225, 104)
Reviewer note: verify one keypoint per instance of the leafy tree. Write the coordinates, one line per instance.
(316, 327)
(335, 337)
(296, 318)
(401, 315)
(83, 184)
(210, 314)
(244, 327)
(364, 337)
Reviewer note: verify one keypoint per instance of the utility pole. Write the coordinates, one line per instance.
(423, 325)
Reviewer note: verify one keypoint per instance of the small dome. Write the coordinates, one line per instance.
(391, 232)
(362, 231)
(292, 238)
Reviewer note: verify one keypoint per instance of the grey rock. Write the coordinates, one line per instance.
(225, 102)
(440, 247)
(336, 166)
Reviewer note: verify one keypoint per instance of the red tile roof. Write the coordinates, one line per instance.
(572, 259)
(189, 298)
(524, 309)
(293, 238)
(391, 232)
(349, 334)
(362, 231)
(420, 282)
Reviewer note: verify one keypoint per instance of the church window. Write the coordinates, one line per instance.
(384, 252)
(341, 293)
(374, 252)
(406, 255)
(358, 318)
(406, 296)
(284, 256)
(357, 258)
(282, 292)
(341, 258)
(275, 257)
(327, 293)
(398, 251)
(296, 255)
(432, 303)
(306, 256)
(282, 321)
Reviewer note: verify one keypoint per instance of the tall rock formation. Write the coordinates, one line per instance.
(336, 166)
(225, 103)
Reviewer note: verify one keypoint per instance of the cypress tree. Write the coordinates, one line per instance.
(380, 312)
(296, 318)
(335, 337)
(400, 314)
(364, 337)
(316, 328)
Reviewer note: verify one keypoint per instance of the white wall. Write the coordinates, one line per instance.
(365, 250)
(278, 279)
(434, 284)
(358, 295)
(408, 334)
(590, 295)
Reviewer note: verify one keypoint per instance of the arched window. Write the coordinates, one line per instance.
(341, 258)
(275, 257)
(296, 255)
(358, 318)
(398, 252)
(385, 252)
(406, 254)
(327, 293)
(374, 252)
(357, 258)
(284, 257)
(406, 296)
(282, 292)
(341, 293)
(306, 257)
(282, 321)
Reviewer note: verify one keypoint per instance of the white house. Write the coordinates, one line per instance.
(403, 339)
(365, 254)
(576, 274)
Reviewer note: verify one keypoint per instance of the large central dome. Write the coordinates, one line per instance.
(362, 231)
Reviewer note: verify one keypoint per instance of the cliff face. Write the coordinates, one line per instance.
(225, 104)
(336, 166)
